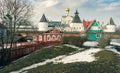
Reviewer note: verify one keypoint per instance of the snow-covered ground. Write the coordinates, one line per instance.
(114, 50)
(115, 42)
(37, 64)
(90, 43)
(80, 56)
(84, 56)
(72, 46)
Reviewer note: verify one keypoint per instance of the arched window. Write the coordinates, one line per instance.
(53, 38)
(34, 38)
(59, 38)
(48, 38)
(40, 37)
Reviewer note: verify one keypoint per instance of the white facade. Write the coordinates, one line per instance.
(43, 26)
(110, 28)
(77, 27)
(67, 29)
(66, 20)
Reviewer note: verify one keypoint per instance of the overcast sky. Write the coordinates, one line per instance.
(101, 10)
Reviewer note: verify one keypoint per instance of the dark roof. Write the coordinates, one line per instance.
(54, 23)
(76, 18)
(111, 21)
(2, 26)
(43, 19)
(76, 12)
(66, 16)
(83, 20)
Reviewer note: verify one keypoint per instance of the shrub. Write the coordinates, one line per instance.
(104, 42)
(78, 41)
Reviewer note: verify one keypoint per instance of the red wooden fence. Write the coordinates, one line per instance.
(21, 49)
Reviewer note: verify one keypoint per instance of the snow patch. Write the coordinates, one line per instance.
(90, 43)
(87, 55)
(72, 46)
(115, 43)
(114, 50)
(38, 64)
(59, 46)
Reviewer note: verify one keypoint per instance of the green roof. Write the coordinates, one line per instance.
(76, 18)
(43, 19)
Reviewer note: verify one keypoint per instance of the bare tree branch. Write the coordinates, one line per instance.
(12, 13)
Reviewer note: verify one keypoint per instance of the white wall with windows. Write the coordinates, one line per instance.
(77, 27)
(110, 28)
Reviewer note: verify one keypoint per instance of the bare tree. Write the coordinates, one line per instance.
(12, 12)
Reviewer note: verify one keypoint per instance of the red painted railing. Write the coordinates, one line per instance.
(21, 49)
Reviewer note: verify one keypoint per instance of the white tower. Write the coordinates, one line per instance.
(111, 27)
(43, 25)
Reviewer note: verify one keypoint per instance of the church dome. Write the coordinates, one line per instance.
(67, 9)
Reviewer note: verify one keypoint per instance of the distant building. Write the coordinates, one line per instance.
(77, 25)
(70, 23)
(52, 35)
(67, 19)
(73, 25)
(110, 27)
(93, 30)
(26, 28)
(54, 24)
(43, 24)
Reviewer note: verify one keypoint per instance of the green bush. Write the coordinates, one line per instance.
(104, 42)
(78, 41)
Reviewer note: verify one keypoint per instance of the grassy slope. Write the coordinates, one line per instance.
(39, 56)
(108, 62)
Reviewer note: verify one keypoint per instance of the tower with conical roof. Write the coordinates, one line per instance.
(76, 18)
(110, 27)
(43, 19)
(77, 25)
(111, 21)
(43, 24)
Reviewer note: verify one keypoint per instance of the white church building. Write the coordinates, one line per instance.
(72, 24)
(110, 27)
